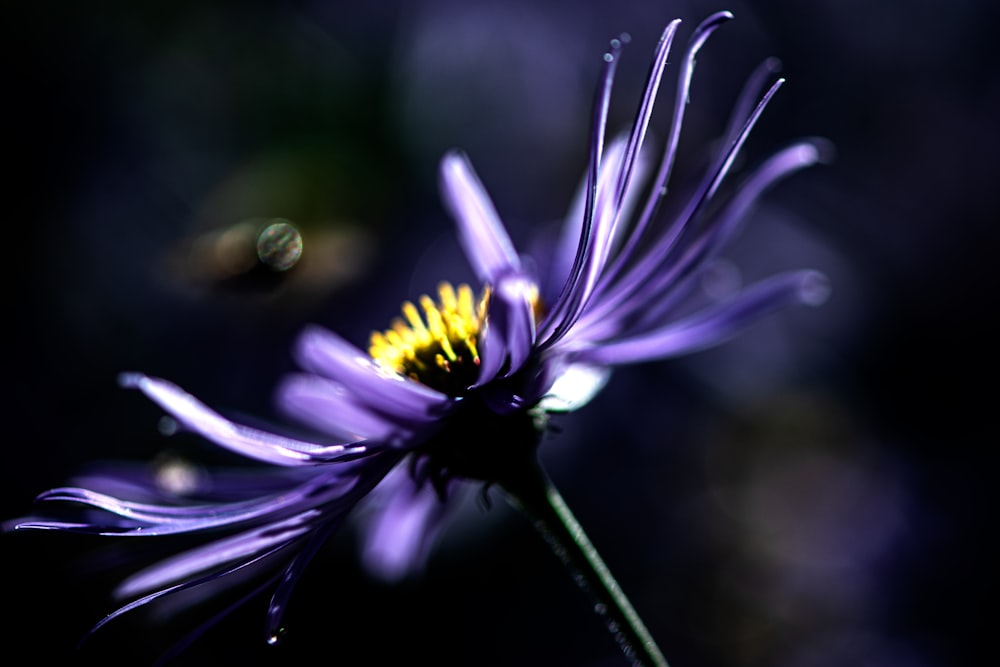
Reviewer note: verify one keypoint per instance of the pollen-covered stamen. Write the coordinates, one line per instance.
(440, 347)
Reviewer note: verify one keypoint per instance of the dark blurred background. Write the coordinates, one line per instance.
(812, 494)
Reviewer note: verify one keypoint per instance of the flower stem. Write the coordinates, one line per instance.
(533, 493)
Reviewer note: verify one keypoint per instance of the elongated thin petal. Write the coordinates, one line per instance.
(660, 183)
(293, 571)
(483, 236)
(564, 311)
(655, 285)
(238, 547)
(715, 324)
(682, 274)
(136, 511)
(659, 267)
(609, 234)
(143, 520)
(644, 112)
(324, 352)
(617, 172)
(187, 585)
(569, 239)
(244, 440)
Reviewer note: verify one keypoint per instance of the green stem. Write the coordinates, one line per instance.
(533, 492)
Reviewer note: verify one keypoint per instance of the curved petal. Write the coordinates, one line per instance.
(564, 310)
(325, 353)
(608, 232)
(218, 552)
(401, 531)
(715, 324)
(244, 440)
(697, 40)
(131, 519)
(668, 262)
(332, 408)
(187, 585)
(293, 571)
(481, 232)
(561, 262)
(509, 330)
(725, 226)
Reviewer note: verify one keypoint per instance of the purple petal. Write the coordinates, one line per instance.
(214, 576)
(726, 225)
(714, 324)
(618, 170)
(564, 310)
(649, 292)
(399, 534)
(659, 189)
(279, 600)
(330, 407)
(480, 230)
(324, 352)
(659, 268)
(624, 175)
(747, 101)
(569, 237)
(145, 520)
(509, 329)
(214, 554)
(608, 233)
(243, 440)
(374, 478)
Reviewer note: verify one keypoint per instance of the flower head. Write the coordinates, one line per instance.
(458, 389)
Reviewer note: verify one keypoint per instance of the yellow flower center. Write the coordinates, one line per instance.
(438, 349)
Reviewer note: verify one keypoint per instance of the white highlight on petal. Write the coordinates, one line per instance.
(574, 388)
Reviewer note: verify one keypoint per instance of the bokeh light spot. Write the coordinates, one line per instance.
(279, 245)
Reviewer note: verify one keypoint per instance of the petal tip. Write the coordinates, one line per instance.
(826, 150)
(130, 379)
(814, 288)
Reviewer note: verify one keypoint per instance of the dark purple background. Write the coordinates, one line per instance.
(812, 494)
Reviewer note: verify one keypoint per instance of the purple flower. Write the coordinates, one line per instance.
(458, 390)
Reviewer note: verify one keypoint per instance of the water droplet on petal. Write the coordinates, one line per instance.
(608, 57)
(276, 638)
